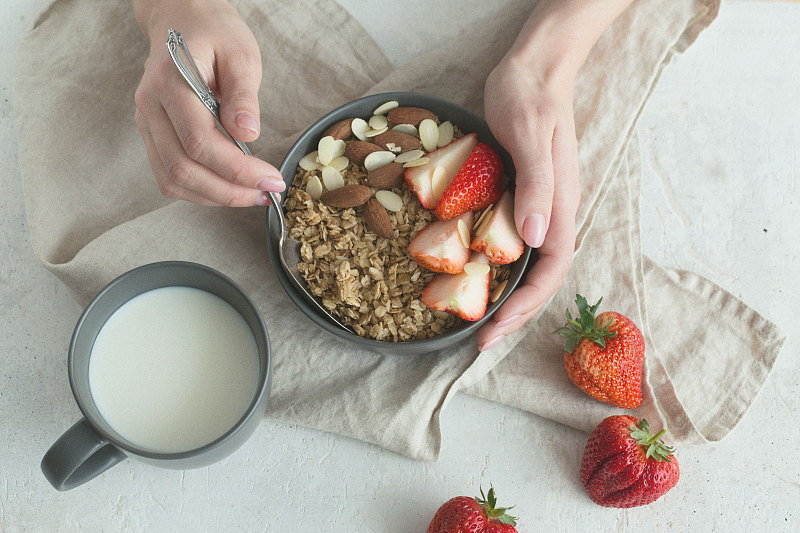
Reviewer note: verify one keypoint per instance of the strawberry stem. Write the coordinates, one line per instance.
(584, 326)
(489, 504)
(655, 448)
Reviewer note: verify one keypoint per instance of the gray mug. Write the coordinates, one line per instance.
(92, 446)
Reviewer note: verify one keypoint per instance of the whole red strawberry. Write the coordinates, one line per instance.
(604, 356)
(479, 182)
(625, 465)
(463, 514)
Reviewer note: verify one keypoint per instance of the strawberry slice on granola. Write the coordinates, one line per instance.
(497, 237)
(442, 246)
(465, 294)
(429, 181)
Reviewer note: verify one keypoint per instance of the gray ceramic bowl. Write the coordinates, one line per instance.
(363, 107)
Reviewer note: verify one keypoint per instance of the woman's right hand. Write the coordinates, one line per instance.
(191, 159)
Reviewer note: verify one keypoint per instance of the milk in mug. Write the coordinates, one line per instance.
(173, 369)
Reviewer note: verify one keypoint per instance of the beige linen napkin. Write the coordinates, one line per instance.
(94, 212)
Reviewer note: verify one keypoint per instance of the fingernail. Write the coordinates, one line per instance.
(491, 343)
(533, 230)
(508, 321)
(247, 121)
(262, 201)
(271, 184)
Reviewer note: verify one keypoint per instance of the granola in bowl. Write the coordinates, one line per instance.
(351, 204)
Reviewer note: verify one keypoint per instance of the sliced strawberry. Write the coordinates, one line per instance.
(439, 247)
(498, 238)
(478, 183)
(465, 294)
(450, 158)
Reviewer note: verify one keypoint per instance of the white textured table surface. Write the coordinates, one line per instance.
(730, 106)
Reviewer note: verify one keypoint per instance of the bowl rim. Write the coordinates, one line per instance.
(313, 131)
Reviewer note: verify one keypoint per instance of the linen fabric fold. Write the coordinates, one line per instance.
(95, 211)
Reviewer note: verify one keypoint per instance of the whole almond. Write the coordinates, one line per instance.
(347, 196)
(377, 219)
(396, 139)
(386, 177)
(409, 115)
(340, 130)
(357, 151)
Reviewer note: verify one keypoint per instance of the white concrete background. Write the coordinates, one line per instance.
(720, 143)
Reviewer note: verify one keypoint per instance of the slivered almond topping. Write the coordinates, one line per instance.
(475, 269)
(329, 149)
(389, 200)
(409, 129)
(483, 215)
(439, 181)
(485, 224)
(378, 159)
(411, 155)
(429, 134)
(372, 132)
(359, 126)
(331, 178)
(309, 161)
(417, 162)
(463, 232)
(498, 292)
(339, 163)
(385, 107)
(314, 188)
(377, 122)
(445, 133)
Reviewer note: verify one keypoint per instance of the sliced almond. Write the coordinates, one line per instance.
(378, 219)
(439, 181)
(373, 132)
(498, 292)
(314, 187)
(378, 159)
(389, 200)
(331, 178)
(386, 107)
(357, 151)
(403, 141)
(417, 162)
(377, 122)
(359, 126)
(409, 115)
(347, 196)
(341, 130)
(485, 223)
(386, 177)
(339, 163)
(476, 269)
(429, 134)
(309, 161)
(464, 233)
(445, 133)
(329, 149)
(411, 155)
(484, 214)
(409, 129)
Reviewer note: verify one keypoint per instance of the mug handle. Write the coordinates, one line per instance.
(80, 454)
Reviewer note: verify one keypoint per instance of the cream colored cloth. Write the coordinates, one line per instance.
(94, 212)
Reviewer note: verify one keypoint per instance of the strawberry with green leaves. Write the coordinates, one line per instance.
(604, 355)
(463, 514)
(625, 465)
(479, 182)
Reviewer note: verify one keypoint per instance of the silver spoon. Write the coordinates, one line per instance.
(288, 249)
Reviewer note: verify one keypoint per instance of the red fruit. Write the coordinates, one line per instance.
(465, 294)
(450, 158)
(498, 239)
(439, 247)
(625, 465)
(463, 514)
(604, 356)
(478, 183)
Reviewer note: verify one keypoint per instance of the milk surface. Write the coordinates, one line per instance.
(173, 369)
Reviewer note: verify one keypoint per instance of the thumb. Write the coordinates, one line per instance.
(238, 78)
(533, 198)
